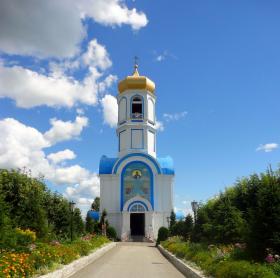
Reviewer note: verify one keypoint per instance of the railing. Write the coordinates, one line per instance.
(136, 116)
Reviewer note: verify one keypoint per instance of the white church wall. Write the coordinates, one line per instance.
(163, 193)
(110, 193)
(137, 138)
(159, 220)
(124, 140)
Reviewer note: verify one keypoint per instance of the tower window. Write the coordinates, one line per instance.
(137, 108)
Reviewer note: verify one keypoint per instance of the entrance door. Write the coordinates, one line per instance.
(137, 224)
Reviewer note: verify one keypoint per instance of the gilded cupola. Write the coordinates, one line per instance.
(136, 82)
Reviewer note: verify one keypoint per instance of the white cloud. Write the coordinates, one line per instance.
(54, 28)
(183, 212)
(159, 126)
(58, 88)
(113, 12)
(61, 156)
(159, 57)
(61, 131)
(23, 146)
(107, 83)
(268, 147)
(40, 28)
(110, 110)
(29, 88)
(96, 56)
(83, 193)
(175, 116)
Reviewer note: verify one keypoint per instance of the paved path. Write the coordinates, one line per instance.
(130, 260)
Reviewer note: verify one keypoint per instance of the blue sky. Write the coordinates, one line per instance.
(215, 65)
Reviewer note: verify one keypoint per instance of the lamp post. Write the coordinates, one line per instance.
(72, 205)
(194, 208)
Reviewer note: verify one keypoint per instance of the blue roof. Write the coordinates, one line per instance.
(93, 214)
(166, 164)
(106, 165)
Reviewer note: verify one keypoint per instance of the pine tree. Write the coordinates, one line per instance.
(89, 224)
(172, 221)
(188, 227)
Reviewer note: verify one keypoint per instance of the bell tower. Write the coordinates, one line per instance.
(136, 121)
(136, 186)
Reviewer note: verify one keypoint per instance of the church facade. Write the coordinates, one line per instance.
(136, 187)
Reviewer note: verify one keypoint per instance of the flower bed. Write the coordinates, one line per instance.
(42, 256)
(220, 261)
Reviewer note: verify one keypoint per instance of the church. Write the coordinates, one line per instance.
(136, 187)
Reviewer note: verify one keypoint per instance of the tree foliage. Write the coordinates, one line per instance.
(96, 204)
(247, 212)
(89, 224)
(26, 203)
(172, 219)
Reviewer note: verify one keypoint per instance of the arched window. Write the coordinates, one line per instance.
(137, 108)
(137, 208)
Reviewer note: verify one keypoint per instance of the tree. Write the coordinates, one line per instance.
(96, 204)
(178, 229)
(188, 227)
(89, 224)
(25, 196)
(78, 223)
(172, 219)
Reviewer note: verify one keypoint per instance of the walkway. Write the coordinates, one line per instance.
(130, 260)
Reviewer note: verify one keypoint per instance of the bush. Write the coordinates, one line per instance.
(218, 261)
(162, 234)
(111, 233)
(25, 237)
(275, 267)
(242, 269)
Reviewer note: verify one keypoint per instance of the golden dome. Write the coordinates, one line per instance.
(136, 82)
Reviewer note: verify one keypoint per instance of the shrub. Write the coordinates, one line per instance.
(25, 237)
(111, 233)
(162, 234)
(242, 269)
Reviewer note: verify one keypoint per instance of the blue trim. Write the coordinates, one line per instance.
(137, 202)
(120, 139)
(150, 158)
(152, 182)
(125, 110)
(164, 165)
(142, 138)
(143, 104)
